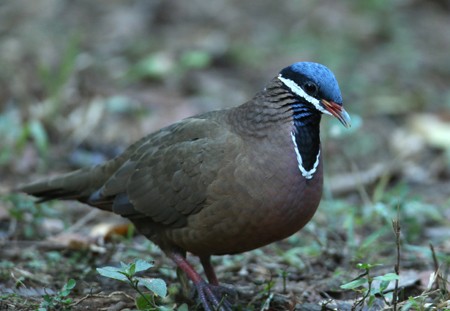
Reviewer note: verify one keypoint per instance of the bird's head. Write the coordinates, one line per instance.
(315, 84)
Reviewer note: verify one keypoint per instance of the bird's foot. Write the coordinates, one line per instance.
(214, 297)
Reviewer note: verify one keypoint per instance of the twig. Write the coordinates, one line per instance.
(344, 183)
(360, 302)
(422, 296)
(90, 295)
(435, 260)
(12, 227)
(81, 299)
(83, 220)
(396, 227)
(436, 267)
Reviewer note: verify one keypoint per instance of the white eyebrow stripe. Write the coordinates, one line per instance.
(300, 92)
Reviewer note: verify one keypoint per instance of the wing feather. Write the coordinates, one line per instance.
(166, 177)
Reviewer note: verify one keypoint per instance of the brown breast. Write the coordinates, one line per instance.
(258, 197)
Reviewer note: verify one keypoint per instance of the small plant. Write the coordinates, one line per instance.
(27, 213)
(17, 133)
(59, 301)
(127, 273)
(364, 284)
(55, 79)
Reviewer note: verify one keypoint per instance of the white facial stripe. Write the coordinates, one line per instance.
(307, 174)
(299, 91)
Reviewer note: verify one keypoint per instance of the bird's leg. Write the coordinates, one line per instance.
(208, 298)
(209, 270)
(212, 278)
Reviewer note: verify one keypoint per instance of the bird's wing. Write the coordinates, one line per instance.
(167, 176)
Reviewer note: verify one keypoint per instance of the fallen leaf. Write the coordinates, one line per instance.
(434, 129)
(105, 231)
(76, 241)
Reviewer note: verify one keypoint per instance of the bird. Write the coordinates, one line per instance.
(221, 182)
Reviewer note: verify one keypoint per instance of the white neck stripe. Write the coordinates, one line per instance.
(307, 174)
(300, 92)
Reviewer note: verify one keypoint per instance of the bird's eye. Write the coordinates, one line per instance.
(311, 88)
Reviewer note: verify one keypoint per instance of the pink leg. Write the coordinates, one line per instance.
(209, 270)
(205, 291)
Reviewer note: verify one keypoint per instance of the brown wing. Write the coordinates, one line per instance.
(167, 176)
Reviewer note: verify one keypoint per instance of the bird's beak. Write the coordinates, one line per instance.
(338, 111)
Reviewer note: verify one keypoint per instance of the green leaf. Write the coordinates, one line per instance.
(70, 284)
(195, 59)
(354, 284)
(157, 286)
(371, 300)
(366, 266)
(67, 288)
(144, 302)
(384, 285)
(112, 273)
(123, 266)
(387, 277)
(183, 307)
(39, 135)
(67, 301)
(156, 66)
(54, 80)
(64, 293)
(130, 271)
(142, 265)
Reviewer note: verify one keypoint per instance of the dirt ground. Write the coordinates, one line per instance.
(80, 80)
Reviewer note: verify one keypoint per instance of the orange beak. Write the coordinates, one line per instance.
(337, 111)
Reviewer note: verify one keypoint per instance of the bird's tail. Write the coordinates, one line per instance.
(77, 185)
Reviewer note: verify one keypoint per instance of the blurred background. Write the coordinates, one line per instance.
(80, 80)
(90, 73)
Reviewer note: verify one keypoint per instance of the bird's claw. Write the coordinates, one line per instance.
(213, 297)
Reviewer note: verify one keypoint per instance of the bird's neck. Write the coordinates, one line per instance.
(264, 113)
(275, 108)
(306, 139)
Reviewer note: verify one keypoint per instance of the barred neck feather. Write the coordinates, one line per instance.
(266, 110)
(275, 105)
